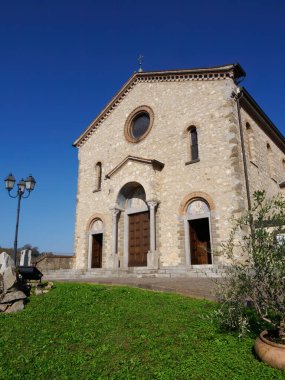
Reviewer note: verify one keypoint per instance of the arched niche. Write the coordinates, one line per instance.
(135, 216)
(132, 197)
(197, 209)
(198, 237)
(96, 233)
(96, 226)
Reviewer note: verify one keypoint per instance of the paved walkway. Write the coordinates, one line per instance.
(192, 287)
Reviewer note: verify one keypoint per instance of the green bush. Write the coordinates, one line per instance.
(256, 277)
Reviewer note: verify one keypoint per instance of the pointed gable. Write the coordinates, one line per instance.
(157, 165)
(233, 71)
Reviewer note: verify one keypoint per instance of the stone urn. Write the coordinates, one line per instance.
(269, 352)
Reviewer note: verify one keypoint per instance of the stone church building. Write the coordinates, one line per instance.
(166, 165)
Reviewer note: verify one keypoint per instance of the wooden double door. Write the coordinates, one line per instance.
(97, 244)
(139, 239)
(200, 241)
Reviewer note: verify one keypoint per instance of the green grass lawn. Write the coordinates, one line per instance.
(81, 331)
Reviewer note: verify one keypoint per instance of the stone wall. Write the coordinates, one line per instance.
(263, 174)
(52, 262)
(218, 176)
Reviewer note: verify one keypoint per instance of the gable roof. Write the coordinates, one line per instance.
(233, 71)
(155, 164)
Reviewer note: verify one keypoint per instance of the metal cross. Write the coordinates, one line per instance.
(140, 59)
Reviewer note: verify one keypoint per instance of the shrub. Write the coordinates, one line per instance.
(256, 276)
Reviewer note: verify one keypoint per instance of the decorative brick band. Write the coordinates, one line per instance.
(185, 77)
(195, 195)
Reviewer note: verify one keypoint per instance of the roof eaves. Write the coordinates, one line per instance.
(268, 126)
(105, 109)
(231, 66)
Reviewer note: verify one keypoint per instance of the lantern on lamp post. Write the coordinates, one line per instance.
(24, 187)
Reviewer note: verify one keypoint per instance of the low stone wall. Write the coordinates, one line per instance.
(53, 262)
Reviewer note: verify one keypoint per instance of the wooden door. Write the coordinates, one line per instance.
(97, 243)
(200, 245)
(138, 239)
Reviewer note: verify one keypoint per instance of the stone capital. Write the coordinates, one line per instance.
(152, 203)
(115, 211)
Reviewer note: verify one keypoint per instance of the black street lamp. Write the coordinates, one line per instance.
(24, 185)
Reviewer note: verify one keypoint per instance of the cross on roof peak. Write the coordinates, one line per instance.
(140, 59)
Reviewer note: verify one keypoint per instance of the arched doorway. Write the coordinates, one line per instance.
(132, 201)
(198, 229)
(96, 244)
(138, 225)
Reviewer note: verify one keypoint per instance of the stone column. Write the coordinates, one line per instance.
(152, 205)
(115, 213)
(152, 256)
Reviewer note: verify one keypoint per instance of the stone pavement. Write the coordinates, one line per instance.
(192, 287)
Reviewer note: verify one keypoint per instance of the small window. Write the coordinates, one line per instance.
(98, 176)
(250, 142)
(270, 162)
(193, 145)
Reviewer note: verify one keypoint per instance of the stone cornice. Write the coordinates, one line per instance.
(157, 165)
(233, 71)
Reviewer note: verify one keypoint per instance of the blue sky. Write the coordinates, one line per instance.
(62, 61)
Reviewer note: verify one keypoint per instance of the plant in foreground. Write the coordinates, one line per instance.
(253, 289)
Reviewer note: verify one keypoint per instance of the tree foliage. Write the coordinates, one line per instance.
(35, 250)
(256, 276)
(10, 251)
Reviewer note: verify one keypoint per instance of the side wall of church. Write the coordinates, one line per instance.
(217, 177)
(265, 160)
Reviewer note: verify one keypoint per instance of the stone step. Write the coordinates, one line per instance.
(63, 271)
(133, 273)
(62, 274)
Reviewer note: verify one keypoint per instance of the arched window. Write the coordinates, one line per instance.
(283, 164)
(250, 142)
(193, 137)
(98, 176)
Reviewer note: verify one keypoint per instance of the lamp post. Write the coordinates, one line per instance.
(23, 185)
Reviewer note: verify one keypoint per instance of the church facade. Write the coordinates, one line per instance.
(166, 165)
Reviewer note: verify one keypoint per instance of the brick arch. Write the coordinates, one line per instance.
(92, 219)
(194, 195)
